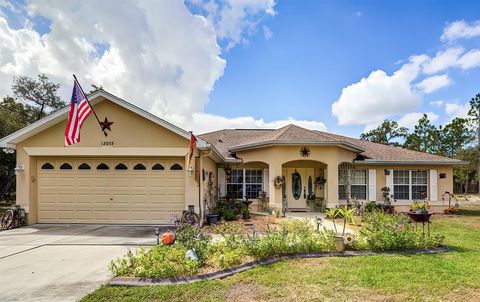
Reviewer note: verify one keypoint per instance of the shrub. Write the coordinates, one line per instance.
(294, 237)
(161, 261)
(451, 211)
(230, 209)
(382, 231)
(194, 236)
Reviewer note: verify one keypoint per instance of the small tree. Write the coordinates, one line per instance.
(425, 137)
(41, 94)
(474, 114)
(386, 133)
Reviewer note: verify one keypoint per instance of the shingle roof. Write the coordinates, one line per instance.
(236, 139)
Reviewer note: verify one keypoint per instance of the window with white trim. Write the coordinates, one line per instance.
(410, 184)
(354, 182)
(245, 182)
(359, 184)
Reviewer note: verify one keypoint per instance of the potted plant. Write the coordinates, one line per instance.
(212, 218)
(339, 242)
(420, 207)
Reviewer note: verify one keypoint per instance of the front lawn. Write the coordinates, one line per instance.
(452, 276)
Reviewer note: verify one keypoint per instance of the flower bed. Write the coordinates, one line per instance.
(379, 231)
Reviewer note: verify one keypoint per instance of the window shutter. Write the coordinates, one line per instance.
(372, 184)
(433, 185)
(266, 180)
(222, 182)
(390, 181)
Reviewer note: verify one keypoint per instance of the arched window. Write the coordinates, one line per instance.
(47, 166)
(158, 167)
(103, 166)
(176, 167)
(84, 166)
(65, 166)
(139, 167)
(121, 166)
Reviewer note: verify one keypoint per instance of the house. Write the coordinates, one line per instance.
(138, 173)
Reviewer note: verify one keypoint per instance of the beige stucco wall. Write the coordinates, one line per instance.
(132, 135)
(443, 184)
(277, 156)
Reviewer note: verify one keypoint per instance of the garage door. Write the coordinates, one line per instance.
(136, 191)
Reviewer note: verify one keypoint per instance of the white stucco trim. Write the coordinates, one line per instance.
(11, 140)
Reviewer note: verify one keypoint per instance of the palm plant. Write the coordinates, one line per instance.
(347, 215)
(332, 213)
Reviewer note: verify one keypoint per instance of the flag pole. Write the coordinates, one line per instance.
(88, 102)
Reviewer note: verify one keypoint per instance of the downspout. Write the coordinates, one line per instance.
(200, 186)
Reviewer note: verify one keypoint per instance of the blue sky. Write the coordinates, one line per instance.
(209, 64)
(319, 47)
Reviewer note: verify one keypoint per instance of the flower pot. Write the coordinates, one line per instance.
(212, 219)
(339, 243)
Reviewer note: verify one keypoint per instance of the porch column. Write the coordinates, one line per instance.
(332, 185)
(274, 194)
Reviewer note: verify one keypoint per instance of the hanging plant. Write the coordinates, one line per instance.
(279, 181)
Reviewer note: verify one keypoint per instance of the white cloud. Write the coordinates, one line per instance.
(469, 60)
(379, 95)
(164, 59)
(409, 120)
(234, 20)
(434, 83)
(443, 60)
(267, 32)
(204, 122)
(457, 110)
(437, 104)
(460, 29)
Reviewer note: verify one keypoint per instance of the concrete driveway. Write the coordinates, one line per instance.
(62, 262)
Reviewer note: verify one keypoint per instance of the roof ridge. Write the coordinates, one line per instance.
(283, 130)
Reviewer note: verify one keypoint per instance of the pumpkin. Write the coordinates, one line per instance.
(168, 238)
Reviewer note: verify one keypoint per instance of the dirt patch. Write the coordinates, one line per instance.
(242, 291)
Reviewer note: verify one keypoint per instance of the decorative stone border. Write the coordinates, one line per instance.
(137, 281)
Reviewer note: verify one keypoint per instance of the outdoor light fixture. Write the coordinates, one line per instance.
(386, 171)
(227, 170)
(319, 221)
(190, 170)
(18, 169)
(156, 231)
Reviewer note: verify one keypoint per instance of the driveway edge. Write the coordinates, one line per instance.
(140, 281)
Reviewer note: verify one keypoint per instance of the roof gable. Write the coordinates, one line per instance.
(95, 98)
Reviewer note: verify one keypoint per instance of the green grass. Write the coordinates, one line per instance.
(452, 276)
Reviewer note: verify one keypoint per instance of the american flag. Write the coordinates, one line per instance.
(79, 111)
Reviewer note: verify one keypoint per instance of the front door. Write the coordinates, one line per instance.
(299, 183)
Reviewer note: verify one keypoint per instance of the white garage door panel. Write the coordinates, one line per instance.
(110, 196)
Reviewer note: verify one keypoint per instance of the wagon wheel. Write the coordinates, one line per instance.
(7, 220)
(190, 217)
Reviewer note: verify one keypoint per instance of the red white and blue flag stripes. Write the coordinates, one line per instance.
(79, 111)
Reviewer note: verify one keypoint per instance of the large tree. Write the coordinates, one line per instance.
(387, 133)
(463, 174)
(455, 136)
(425, 137)
(474, 114)
(41, 94)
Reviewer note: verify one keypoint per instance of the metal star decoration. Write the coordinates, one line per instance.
(305, 152)
(106, 126)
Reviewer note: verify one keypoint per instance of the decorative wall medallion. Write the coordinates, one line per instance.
(305, 152)
(106, 126)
